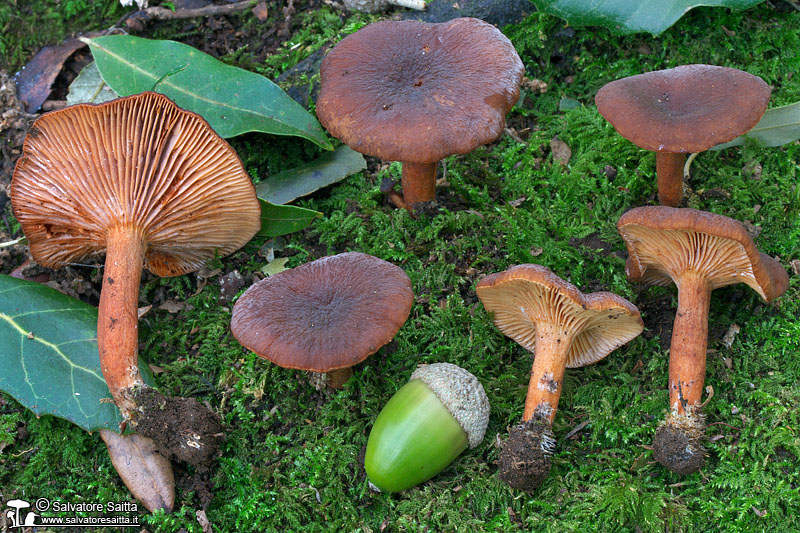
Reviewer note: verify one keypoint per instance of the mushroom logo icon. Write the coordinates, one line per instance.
(13, 515)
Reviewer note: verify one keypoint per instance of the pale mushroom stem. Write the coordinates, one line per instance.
(419, 183)
(669, 173)
(687, 352)
(117, 320)
(547, 373)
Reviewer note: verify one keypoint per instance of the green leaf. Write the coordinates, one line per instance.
(49, 357)
(630, 16)
(780, 125)
(329, 168)
(282, 219)
(89, 87)
(232, 100)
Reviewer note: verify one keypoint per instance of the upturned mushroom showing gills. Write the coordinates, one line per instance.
(324, 316)
(682, 110)
(564, 328)
(698, 252)
(416, 92)
(145, 182)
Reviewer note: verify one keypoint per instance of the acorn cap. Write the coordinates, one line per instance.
(689, 108)
(526, 295)
(417, 92)
(140, 161)
(461, 393)
(665, 242)
(324, 315)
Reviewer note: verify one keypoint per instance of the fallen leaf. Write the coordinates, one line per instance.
(147, 474)
(173, 306)
(202, 519)
(795, 266)
(561, 152)
(759, 513)
(730, 335)
(275, 266)
(261, 12)
(36, 78)
(142, 311)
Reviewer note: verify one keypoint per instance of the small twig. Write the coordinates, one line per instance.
(738, 430)
(577, 428)
(688, 164)
(162, 13)
(12, 243)
(793, 4)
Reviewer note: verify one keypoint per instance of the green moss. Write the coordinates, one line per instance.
(292, 457)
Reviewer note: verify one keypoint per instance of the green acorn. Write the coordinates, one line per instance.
(434, 417)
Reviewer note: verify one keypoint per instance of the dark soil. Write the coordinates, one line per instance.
(183, 428)
(525, 460)
(677, 446)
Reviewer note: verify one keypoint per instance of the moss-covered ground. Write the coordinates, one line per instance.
(292, 459)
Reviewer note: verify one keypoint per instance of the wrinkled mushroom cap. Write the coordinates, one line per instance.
(684, 109)
(665, 243)
(525, 296)
(324, 315)
(418, 92)
(138, 161)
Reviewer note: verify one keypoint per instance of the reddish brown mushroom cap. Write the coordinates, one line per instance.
(664, 243)
(525, 296)
(417, 92)
(324, 315)
(139, 162)
(684, 109)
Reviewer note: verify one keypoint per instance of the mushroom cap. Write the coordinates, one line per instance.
(684, 109)
(527, 295)
(140, 161)
(664, 243)
(324, 315)
(418, 92)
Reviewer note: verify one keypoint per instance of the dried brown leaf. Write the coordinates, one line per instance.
(146, 473)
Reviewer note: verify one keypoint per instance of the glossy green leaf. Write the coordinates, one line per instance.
(89, 88)
(630, 16)
(49, 357)
(282, 219)
(326, 170)
(780, 125)
(232, 100)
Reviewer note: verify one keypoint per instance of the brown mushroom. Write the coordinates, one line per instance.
(324, 316)
(416, 92)
(564, 328)
(682, 110)
(151, 185)
(698, 252)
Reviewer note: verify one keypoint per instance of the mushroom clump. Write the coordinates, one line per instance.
(324, 316)
(416, 92)
(681, 110)
(698, 252)
(564, 328)
(152, 186)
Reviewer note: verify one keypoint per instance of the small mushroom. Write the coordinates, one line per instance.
(145, 182)
(682, 110)
(416, 92)
(441, 411)
(564, 328)
(324, 316)
(698, 252)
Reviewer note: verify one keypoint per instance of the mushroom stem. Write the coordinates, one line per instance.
(117, 320)
(337, 378)
(547, 373)
(687, 352)
(669, 171)
(419, 183)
